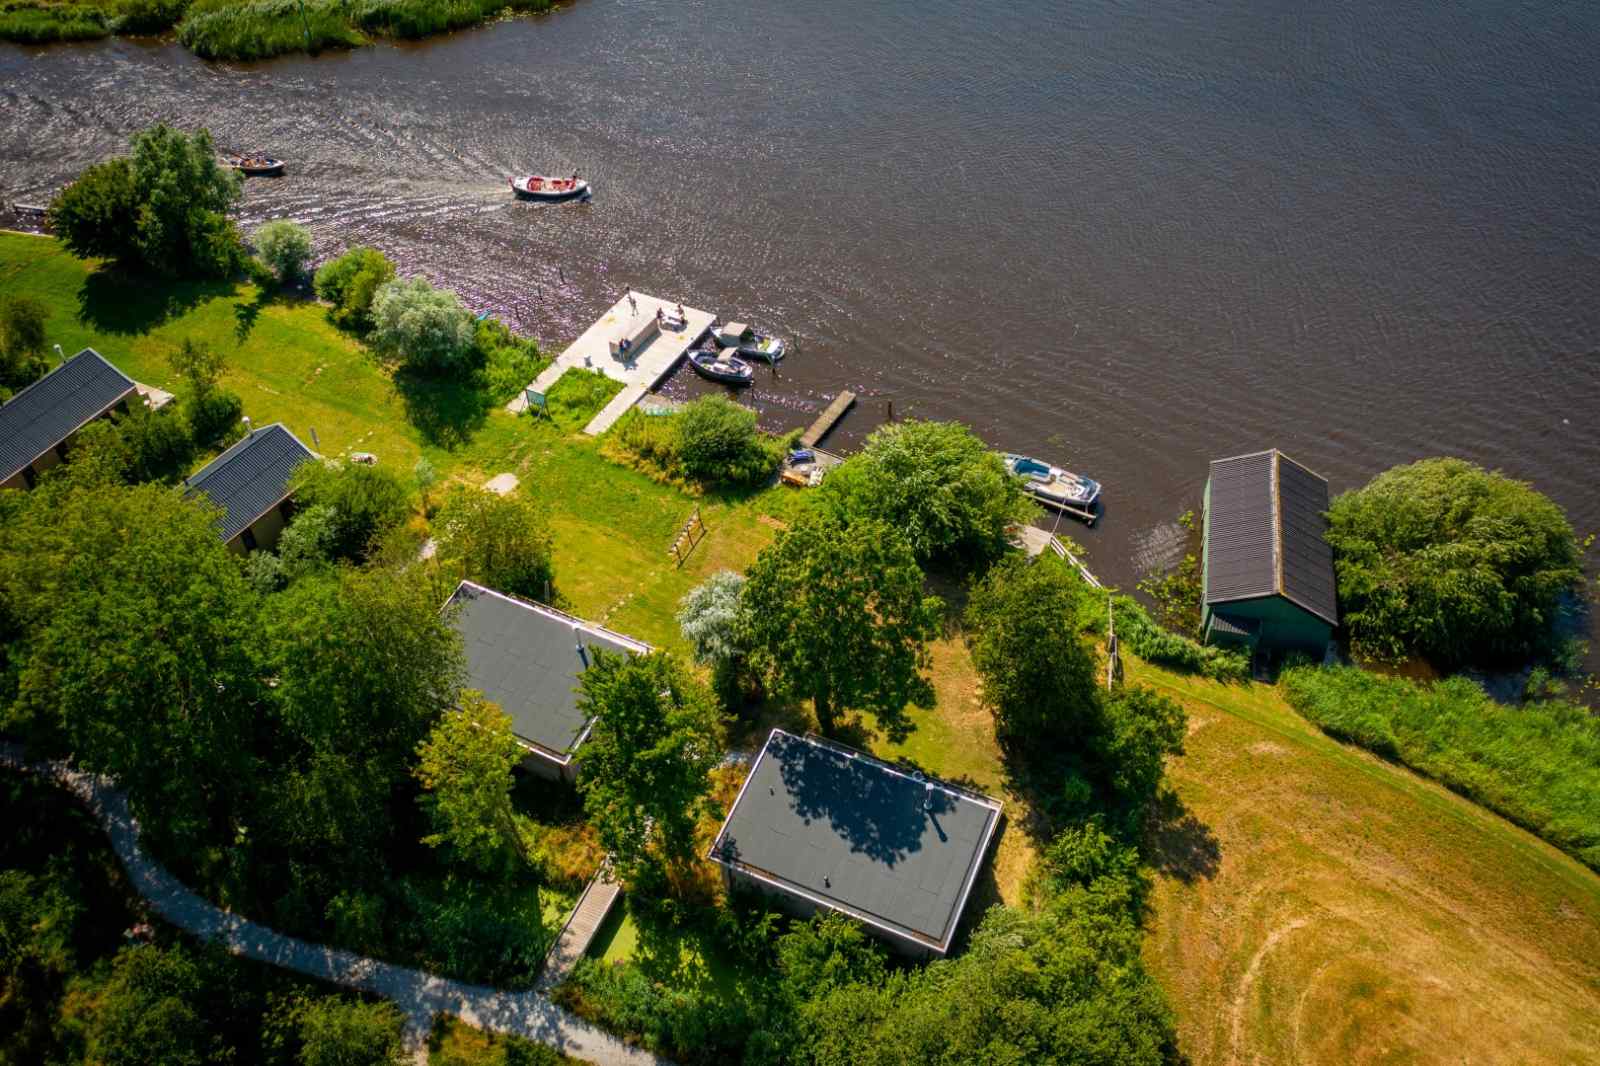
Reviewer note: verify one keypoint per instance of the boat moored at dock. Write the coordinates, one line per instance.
(548, 189)
(1054, 486)
(751, 344)
(721, 366)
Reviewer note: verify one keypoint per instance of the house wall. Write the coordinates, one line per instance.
(19, 480)
(802, 907)
(546, 768)
(1285, 626)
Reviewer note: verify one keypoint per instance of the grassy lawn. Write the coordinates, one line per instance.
(1317, 904)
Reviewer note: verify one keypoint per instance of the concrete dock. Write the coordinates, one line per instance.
(650, 359)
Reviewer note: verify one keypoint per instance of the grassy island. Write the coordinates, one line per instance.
(251, 29)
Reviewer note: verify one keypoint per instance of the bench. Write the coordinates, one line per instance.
(640, 336)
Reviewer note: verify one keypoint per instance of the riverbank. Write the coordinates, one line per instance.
(252, 29)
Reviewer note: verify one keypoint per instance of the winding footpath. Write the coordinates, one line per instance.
(420, 995)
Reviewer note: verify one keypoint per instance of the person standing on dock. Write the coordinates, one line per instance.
(632, 303)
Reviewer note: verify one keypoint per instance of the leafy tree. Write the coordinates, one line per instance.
(710, 621)
(427, 329)
(158, 442)
(140, 648)
(350, 282)
(164, 210)
(426, 477)
(1446, 560)
(213, 413)
(1143, 727)
(305, 547)
(502, 542)
(365, 665)
(1038, 675)
(465, 768)
(836, 612)
(22, 343)
(939, 485)
(335, 1031)
(148, 1012)
(200, 365)
(367, 502)
(719, 442)
(285, 247)
(644, 768)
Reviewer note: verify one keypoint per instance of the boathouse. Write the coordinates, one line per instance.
(526, 658)
(1268, 568)
(251, 482)
(37, 423)
(821, 826)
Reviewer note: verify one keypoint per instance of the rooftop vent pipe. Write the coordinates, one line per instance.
(577, 638)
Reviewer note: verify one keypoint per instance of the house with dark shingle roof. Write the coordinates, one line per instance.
(1268, 568)
(37, 423)
(527, 658)
(821, 826)
(251, 482)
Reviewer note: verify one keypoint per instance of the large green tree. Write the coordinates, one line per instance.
(465, 769)
(502, 542)
(836, 612)
(165, 209)
(367, 502)
(1446, 560)
(335, 1031)
(939, 485)
(139, 649)
(643, 771)
(365, 666)
(1039, 676)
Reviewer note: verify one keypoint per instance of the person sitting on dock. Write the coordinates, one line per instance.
(623, 345)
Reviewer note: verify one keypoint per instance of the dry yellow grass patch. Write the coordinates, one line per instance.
(1323, 906)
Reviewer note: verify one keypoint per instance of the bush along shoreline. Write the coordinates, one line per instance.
(253, 29)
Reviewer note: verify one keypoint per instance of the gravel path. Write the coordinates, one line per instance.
(420, 995)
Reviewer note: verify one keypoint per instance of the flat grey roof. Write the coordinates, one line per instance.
(851, 832)
(524, 657)
(50, 410)
(251, 477)
(1266, 529)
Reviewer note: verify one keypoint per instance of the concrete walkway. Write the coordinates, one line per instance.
(420, 995)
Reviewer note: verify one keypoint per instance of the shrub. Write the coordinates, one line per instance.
(214, 417)
(427, 329)
(503, 542)
(1446, 560)
(165, 209)
(652, 441)
(366, 501)
(22, 342)
(225, 29)
(710, 621)
(346, 1032)
(1537, 764)
(159, 444)
(720, 443)
(510, 362)
(1139, 634)
(939, 485)
(350, 282)
(285, 247)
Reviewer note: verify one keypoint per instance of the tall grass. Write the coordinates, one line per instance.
(219, 29)
(30, 23)
(1537, 764)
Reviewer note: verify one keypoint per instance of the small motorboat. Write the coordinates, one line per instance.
(721, 366)
(543, 187)
(1053, 485)
(256, 166)
(750, 344)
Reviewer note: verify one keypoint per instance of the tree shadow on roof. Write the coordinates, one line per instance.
(879, 814)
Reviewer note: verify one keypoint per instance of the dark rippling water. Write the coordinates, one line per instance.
(1128, 237)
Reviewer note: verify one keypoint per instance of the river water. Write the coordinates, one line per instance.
(1125, 237)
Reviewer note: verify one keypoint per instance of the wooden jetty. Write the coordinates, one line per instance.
(827, 419)
(582, 925)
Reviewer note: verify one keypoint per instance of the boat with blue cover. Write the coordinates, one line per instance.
(1053, 485)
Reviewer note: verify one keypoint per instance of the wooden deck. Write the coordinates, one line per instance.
(826, 420)
(593, 906)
